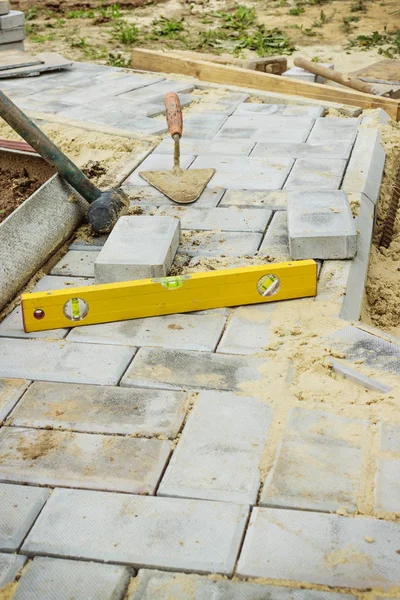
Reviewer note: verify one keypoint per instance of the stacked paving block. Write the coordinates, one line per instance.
(12, 27)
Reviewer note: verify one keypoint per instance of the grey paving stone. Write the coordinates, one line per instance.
(203, 126)
(9, 36)
(20, 505)
(375, 352)
(374, 117)
(136, 124)
(330, 149)
(387, 484)
(157, 91)
(148, 195)
(225, 219)
(318, 463)
(113, 84)
(76, 263)
(320, 548)
(219, 243)
(198, 147)
(174, 369)
(64, 361)
(365, 170)
(95, 243)
(151, 584)
(333, 280)
(211, 463)
(4, 7)
(137, 248)
(156, 162)
(271, 199)
(245, 173)
(301, 74)
(356, 377)
(279, 109)
(10, 564)
(390, 437)
(248, 330)
(91, 461)
(316, 174)
(183, 331)
(178, 534)
(334, 128)
(321, 225)
(276, 241)
(53, 578)
(15, 18)
(101, 409)
(257, 128)
(11, 391)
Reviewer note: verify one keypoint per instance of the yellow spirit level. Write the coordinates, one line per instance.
(185, 293)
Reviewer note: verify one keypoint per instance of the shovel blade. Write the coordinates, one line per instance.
(184, 187)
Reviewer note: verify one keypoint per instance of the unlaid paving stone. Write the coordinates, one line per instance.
(101, 409)
(203, 126)
(184, 332)
(4, 7)
(156, 162)
(387, 484)
(20, 505)
(248, 330)
(276, 241)
(334, 128)
(324, 150)
(357, 377)
(365, 170)
(286, 110)
(270, 199)
(91, 461)
(320, 548)
(301, 74)
(178, 534)
(151, 584)
(321, 225)
(15, 18)
(316, 174)
(219, 464)
(225, 219)
(50, 578)
(318, 463)
(148, 195)
(245, 173)
(390, 437)
(333, 280)
(11, 391)
(64, 361)
(76, 263)
(10, 564)
(219, 243)
(137, 248)
(174, 369)
(9, 36)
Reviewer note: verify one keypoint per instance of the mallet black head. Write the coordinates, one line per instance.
(104, 212)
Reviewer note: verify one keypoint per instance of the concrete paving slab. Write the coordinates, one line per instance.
(324, 150)
(318, 463)
(272, 133)
(88, 461)
(10, 564)
(76, 263)
(64, 361)
(357, 377)
(177, 534)
(4, 7)
(320, 548)
(138, 247)
(147, 195)
(198, 147)
(261, 121)
(321, 225)
(225, 219)
(365, 170)
(112, 84)
(389, 437)
(285, 110)
(387, 484)
(157, 91)
(175, 369)
(203, 126)
(270, 199)
(211, 463)
(156, 162)
(184, 332)
(276, 241)
(248, 330)
(301, 74)
(334, 128)
(15, 18)
(20, 505)
(11, 391)
(333, 280)
(95, 244)
(53, 578)
(151, 584)
(245, 173)
(10, 36)
(219, 243)
(101, 409)
(316, 174)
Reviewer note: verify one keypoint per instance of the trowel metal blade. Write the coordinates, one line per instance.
(183, 188)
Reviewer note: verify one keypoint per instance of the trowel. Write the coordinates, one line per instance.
(181, 186)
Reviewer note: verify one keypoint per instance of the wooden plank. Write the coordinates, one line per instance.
(150, 60)
(383, 71)
(12, 59)
(268, 64)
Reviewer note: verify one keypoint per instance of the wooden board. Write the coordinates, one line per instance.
(49, 61)
(383, 71)
(150, 60)
(12, 59)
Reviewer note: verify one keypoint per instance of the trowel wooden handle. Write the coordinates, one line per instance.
(355, 84)
(173, 113)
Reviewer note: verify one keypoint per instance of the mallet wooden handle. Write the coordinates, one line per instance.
(355, 84)
(173, 113)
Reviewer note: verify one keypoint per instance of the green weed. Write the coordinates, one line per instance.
(126, 33)
(164, 27)
(81, 13)
(359, 6)
(31, 13)
(42, 39)
(117, 60)
(296, 11)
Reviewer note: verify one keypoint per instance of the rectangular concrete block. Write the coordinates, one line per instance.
(211, 463)
(76, 263)
(321, 225)
(357, 377)
(156, 162)
(286, 110)
(318, 463)
(225, 219)
(389, 437)
(197, 147)
(51, 578)
(15, 18)
(258, 128)
(316, 174)
(338, 129)
(4, 7)
(10, 36)
(19, 507)
(147, 195)
(12, 46)
(169, 533)
(276, 241)
(330, 149)
(110, 84)
(248, 330)
(269, 199)
(91, 461)
(219, 243)
(138, 248)
(203, 126)
(63, 361)
(156, 91)
(11, 391)
(10, 565)
(101, 409)
(365, 170)
(387, 484)
(174, 369)
(301, 74)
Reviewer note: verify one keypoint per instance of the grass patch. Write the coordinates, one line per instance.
(126, 33)
(168, 28)
(388, 44)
